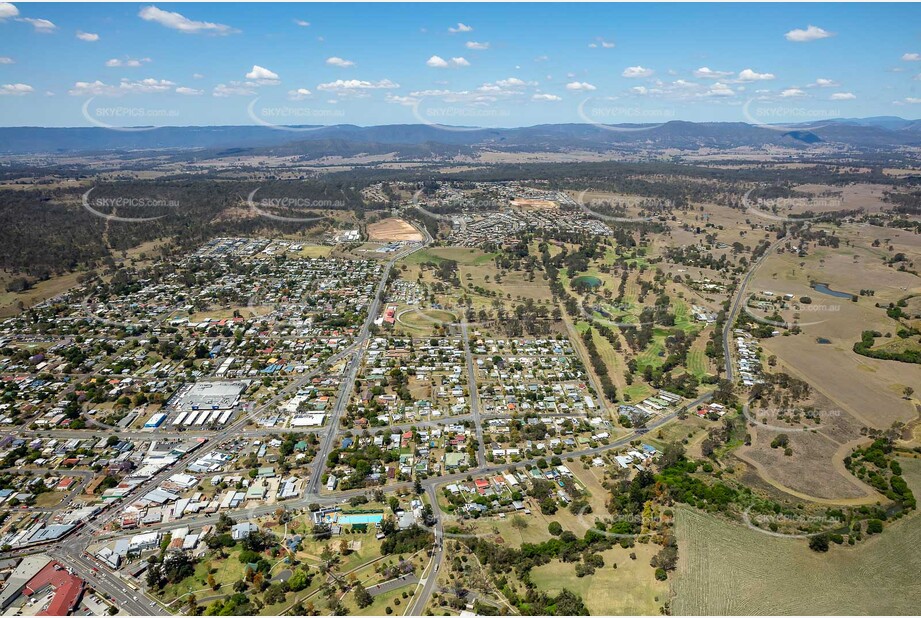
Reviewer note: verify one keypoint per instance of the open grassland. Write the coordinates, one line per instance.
(869, 389)
(630, 589)
(727, 568)
(699, 364)
(461, 255)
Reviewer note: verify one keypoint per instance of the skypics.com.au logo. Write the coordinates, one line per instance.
(284, 208)
(112, 116)
(128, 208)
(294, 118)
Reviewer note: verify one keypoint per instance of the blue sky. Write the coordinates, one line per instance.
(460, 64)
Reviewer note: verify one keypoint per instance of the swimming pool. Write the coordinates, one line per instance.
(359, 518)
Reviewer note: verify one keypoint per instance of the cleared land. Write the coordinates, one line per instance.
(392, 230)
(727, 568)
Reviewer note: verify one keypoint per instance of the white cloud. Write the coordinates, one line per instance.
(600, 42)
(706, 72)
(262, 76)
(302, 24)
(192, 92)
(89, 37)
(792, 92)
(16, 90)
(234, 89)
(911, 57)
(197, 76)
(126, 86)
(748, 75)
(580, 86)
(843, 96)
(811, 33)
(824, 83)
(127, 62)
(41, 25)
(514, 82)
(7, 10)
(437, 62)
(6, 60)
(180, 22)
(719, 89)
(477, 46)
(637, 71)
(546, 97)
(300, 93)
(912, 100)
(460, 28)
(356, 86)
(400, 100)
(641, 90)
(336, 61)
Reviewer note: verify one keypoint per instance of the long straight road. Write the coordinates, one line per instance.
(737, 303)
(348, 381)
(474, 395)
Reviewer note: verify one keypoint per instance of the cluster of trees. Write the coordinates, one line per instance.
(601, 370)
(876, 466)
(864, 347)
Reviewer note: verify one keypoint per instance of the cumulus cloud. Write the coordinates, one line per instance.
(336, 61)
(356, 86)
(41, 25)
(824, 83)
(911, 57)
(126, 62)
(16, 90)
(437, 62)
(477, 46)
(401, 100)
(262, 76)
(546, 97)
(706, 72)
(8, 10)
(912, 100)
(177, 21)
(298, 94)
(637, 71)
(748, 75)
(843, 96)
(719, 89)
(514, 82)
(89, 37)
(600, 42)
(125, 86)
(233, 89)
(641, 90)
(6, 60)
(792, 92)
(460, 28)
(580, 86)
(302, 24)
(811, 33)
(192, 92)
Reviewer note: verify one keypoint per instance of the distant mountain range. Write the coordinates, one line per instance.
(425, 141)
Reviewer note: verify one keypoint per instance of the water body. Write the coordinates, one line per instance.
(587, 280)
(824, 289)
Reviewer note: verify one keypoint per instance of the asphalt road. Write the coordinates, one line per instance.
(734, 309)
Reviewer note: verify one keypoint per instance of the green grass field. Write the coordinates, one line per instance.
(630, 589)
